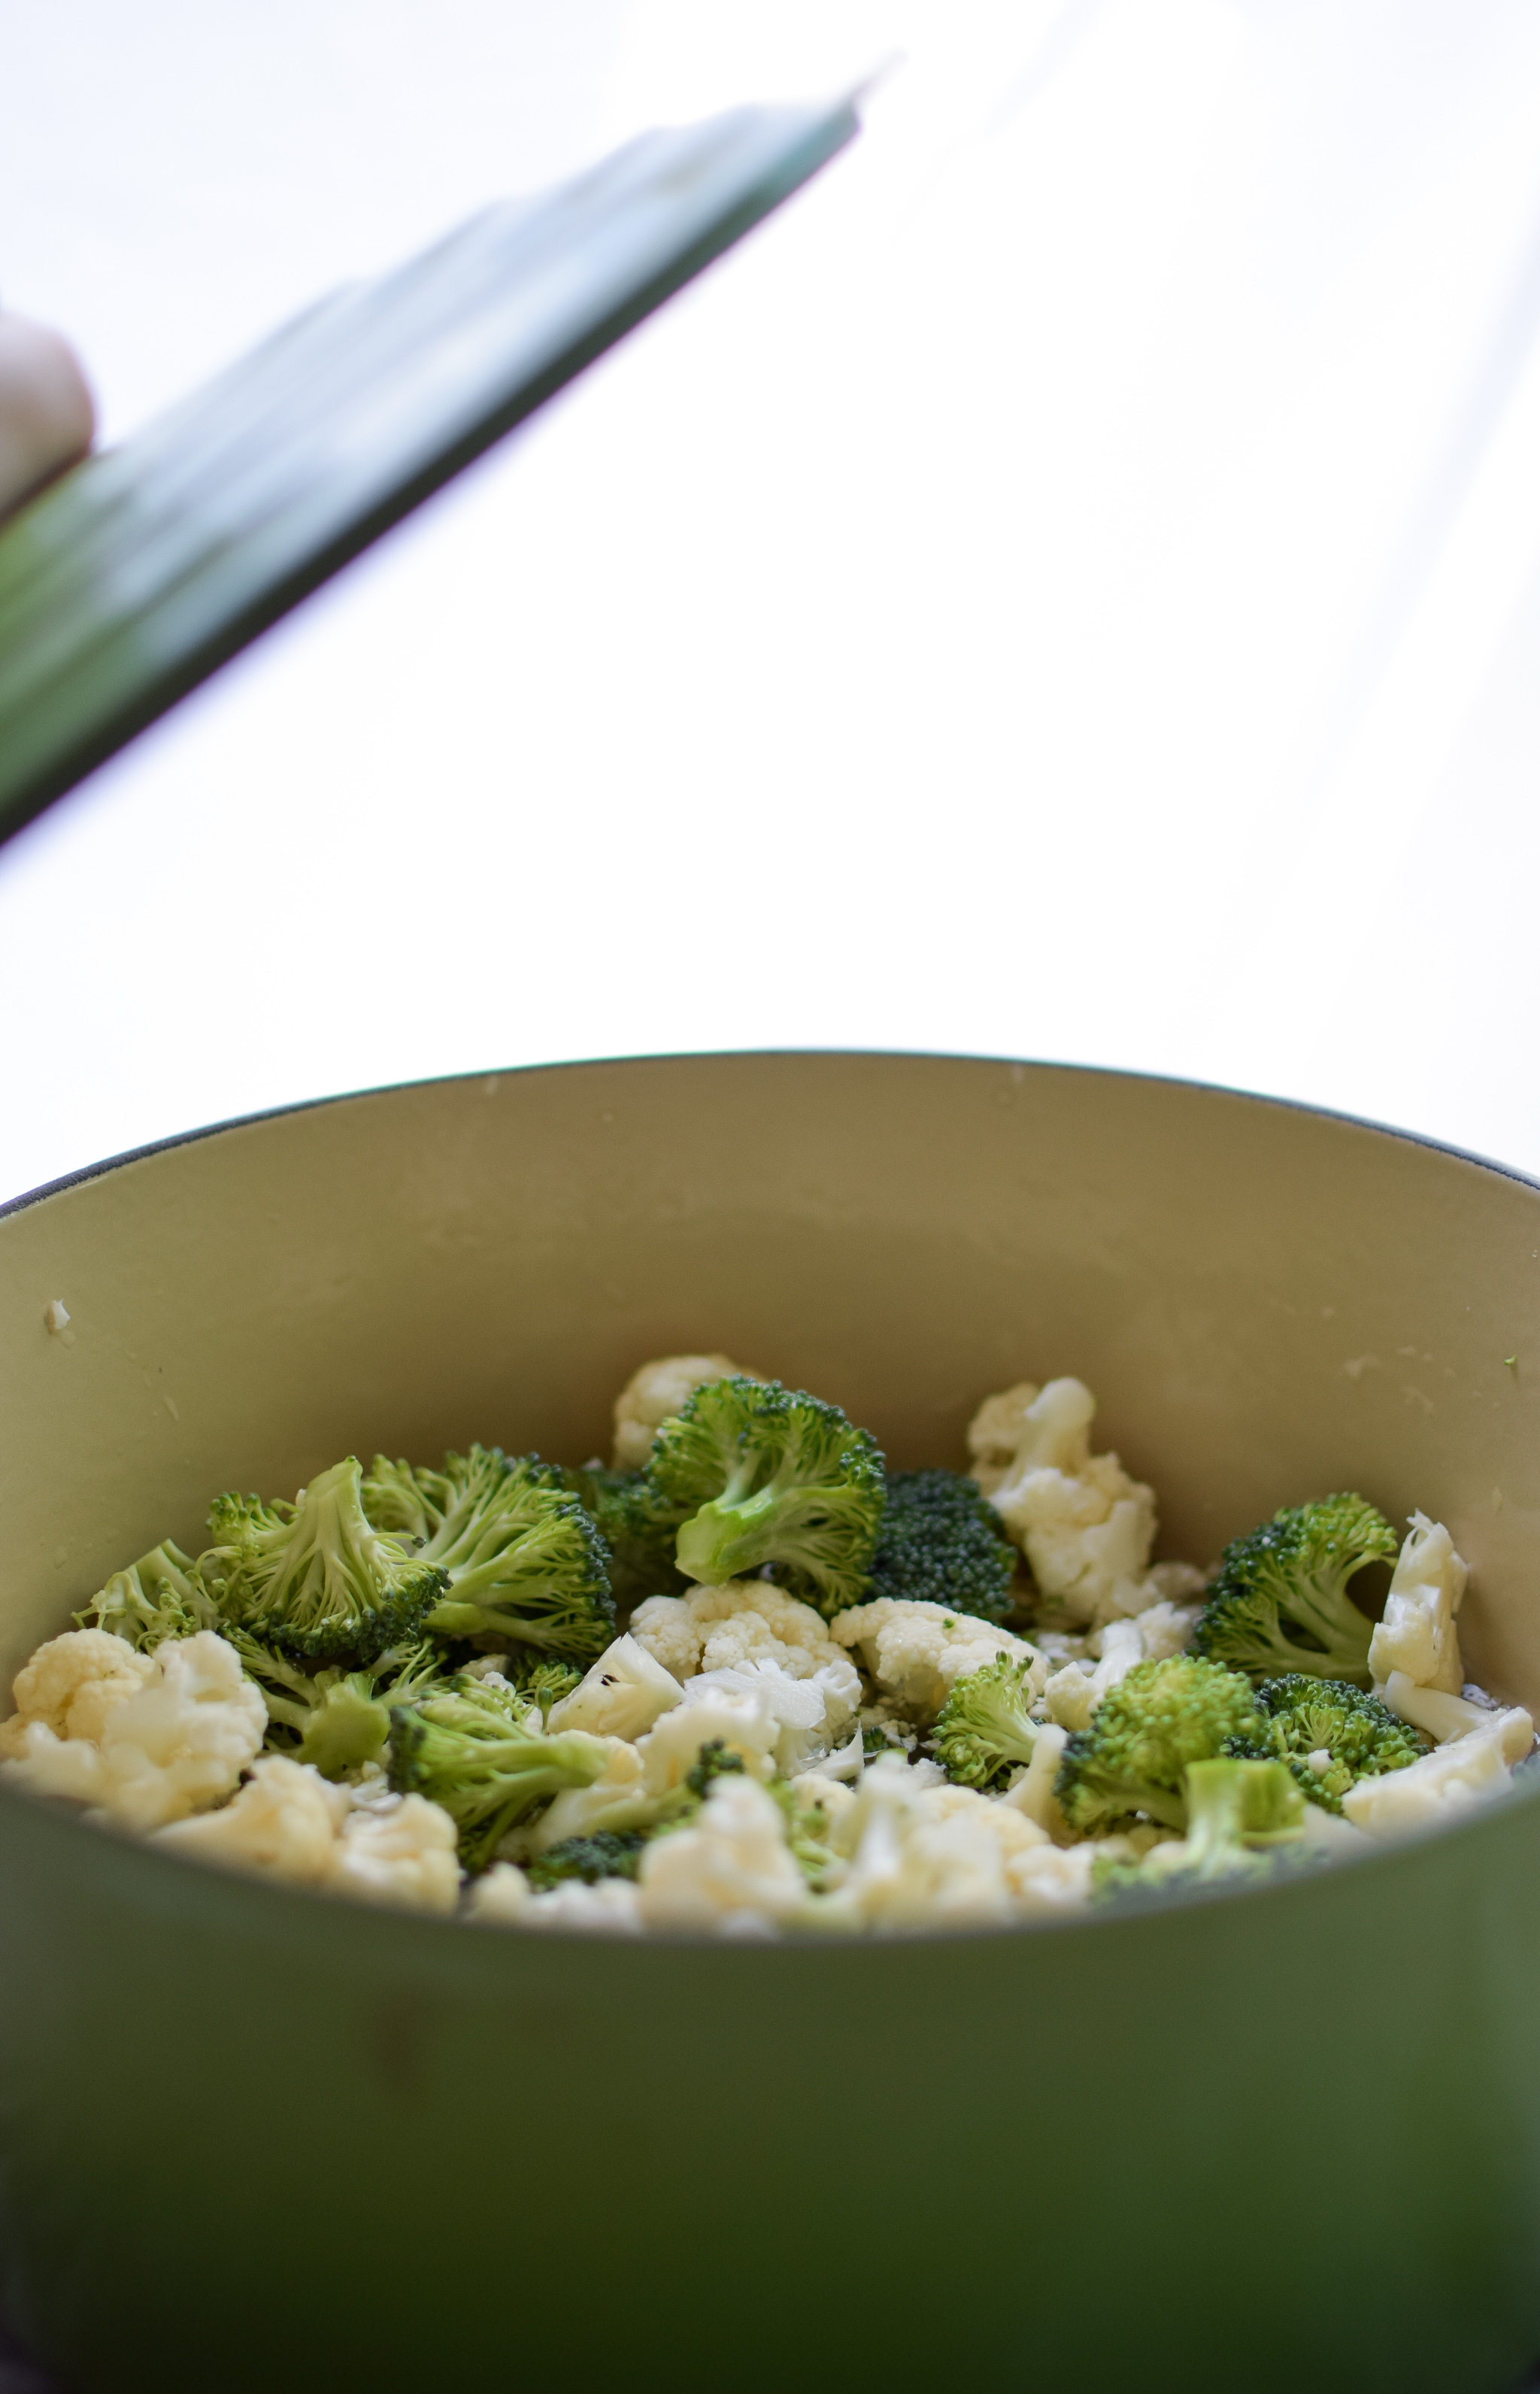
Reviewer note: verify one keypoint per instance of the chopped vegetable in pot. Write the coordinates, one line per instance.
(833, 1699)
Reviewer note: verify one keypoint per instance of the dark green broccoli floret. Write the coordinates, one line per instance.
(336, 1719)
(158, 1596)
(638, 1531)
(1355, 1734)
(1142, 1736)
(762, 1474)
(986, 1724)
(316, 1577)
(609, 1853)
(481, 1753)
(522, 1560)
(940, 1543)
(1292, 1575)
(542, 1678)
(1243, 1819)
(714, 1759)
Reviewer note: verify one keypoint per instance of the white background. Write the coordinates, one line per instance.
(1067, 586)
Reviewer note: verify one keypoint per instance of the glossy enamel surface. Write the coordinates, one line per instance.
(252, 2136)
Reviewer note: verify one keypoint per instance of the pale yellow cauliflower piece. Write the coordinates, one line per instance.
(622, 1694)
(731, 1871)
(655, 1393)
(722, 1628)
(918, 1653)
(618, 1798)
(173, 1745)
(996, 1432)
(1417, 1636)
(71, 1684)
(400, 1852)
(285, 1820)
(503, 1899)
(1084, 1526)
(1440, 1786)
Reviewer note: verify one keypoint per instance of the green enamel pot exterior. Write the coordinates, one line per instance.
(256, 2138)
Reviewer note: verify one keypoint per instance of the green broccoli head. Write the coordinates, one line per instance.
(715, 1760)
(1279, 1603)
(1330, 1734)
(940, 1543)
(542, 1678)
(336, 1719)
(316, 1577)
(637, 1529)
(757, 1474)
(609, 1853)
(986, 1724)
(1244, 1820)
(481, 1752)
(158, 1596)
(522, 1560)
(1143, 1735)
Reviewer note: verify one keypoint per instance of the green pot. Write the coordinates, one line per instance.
(257, 2138)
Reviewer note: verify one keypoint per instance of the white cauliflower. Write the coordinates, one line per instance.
(173, 1745)
(918, 1653)
(622, 1695)
(1445, 1783)
(998, 1431)
(926, 1856)
(743, 1621)
(71, 1684)
(400, 1852)
(285, 1819)
(503, 1899)
(744, 1724)
(1084, 1526)
(655, 1393)
(289, 1820)
(618, 1798)
(1073, 1692)
(1446, 1718)
(814, 1715)
(1031, 1790)
(731, 1871)
(1417, 1636)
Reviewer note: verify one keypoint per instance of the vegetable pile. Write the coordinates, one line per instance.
(744, 1680)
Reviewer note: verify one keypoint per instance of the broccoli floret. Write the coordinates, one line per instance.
(1292, 1574)
(940, 1543)
(158, 1596)
(542, 1678)
(316, 1577)
(986, 1724)
(758, 1474)
(1142, 1736)
(714, 1760)
(481, 1753)
(1244, 1818)
(609, 1853)
(336, 1719)
(1330, 1733)
(522, 1560)
(638, 1530)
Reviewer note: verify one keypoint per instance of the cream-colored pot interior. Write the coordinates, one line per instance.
(1269, 1303)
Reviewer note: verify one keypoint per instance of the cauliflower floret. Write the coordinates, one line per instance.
(814, 1716)
(743, 1621)
(1030, 1791)
(732, 1870)
(1073, 1692)
(917, 1652)
(401, 1852)
(71, 1685)
(916, 1859)
(184, 1738)
(996, 1431)
(655, 1393)
(1084, 1526)
(1447, 1781)
(744, 1723)
(623, 1694)
(1417, 1636)
(285, 1818)
(1446, 1718)
(177, 1739)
